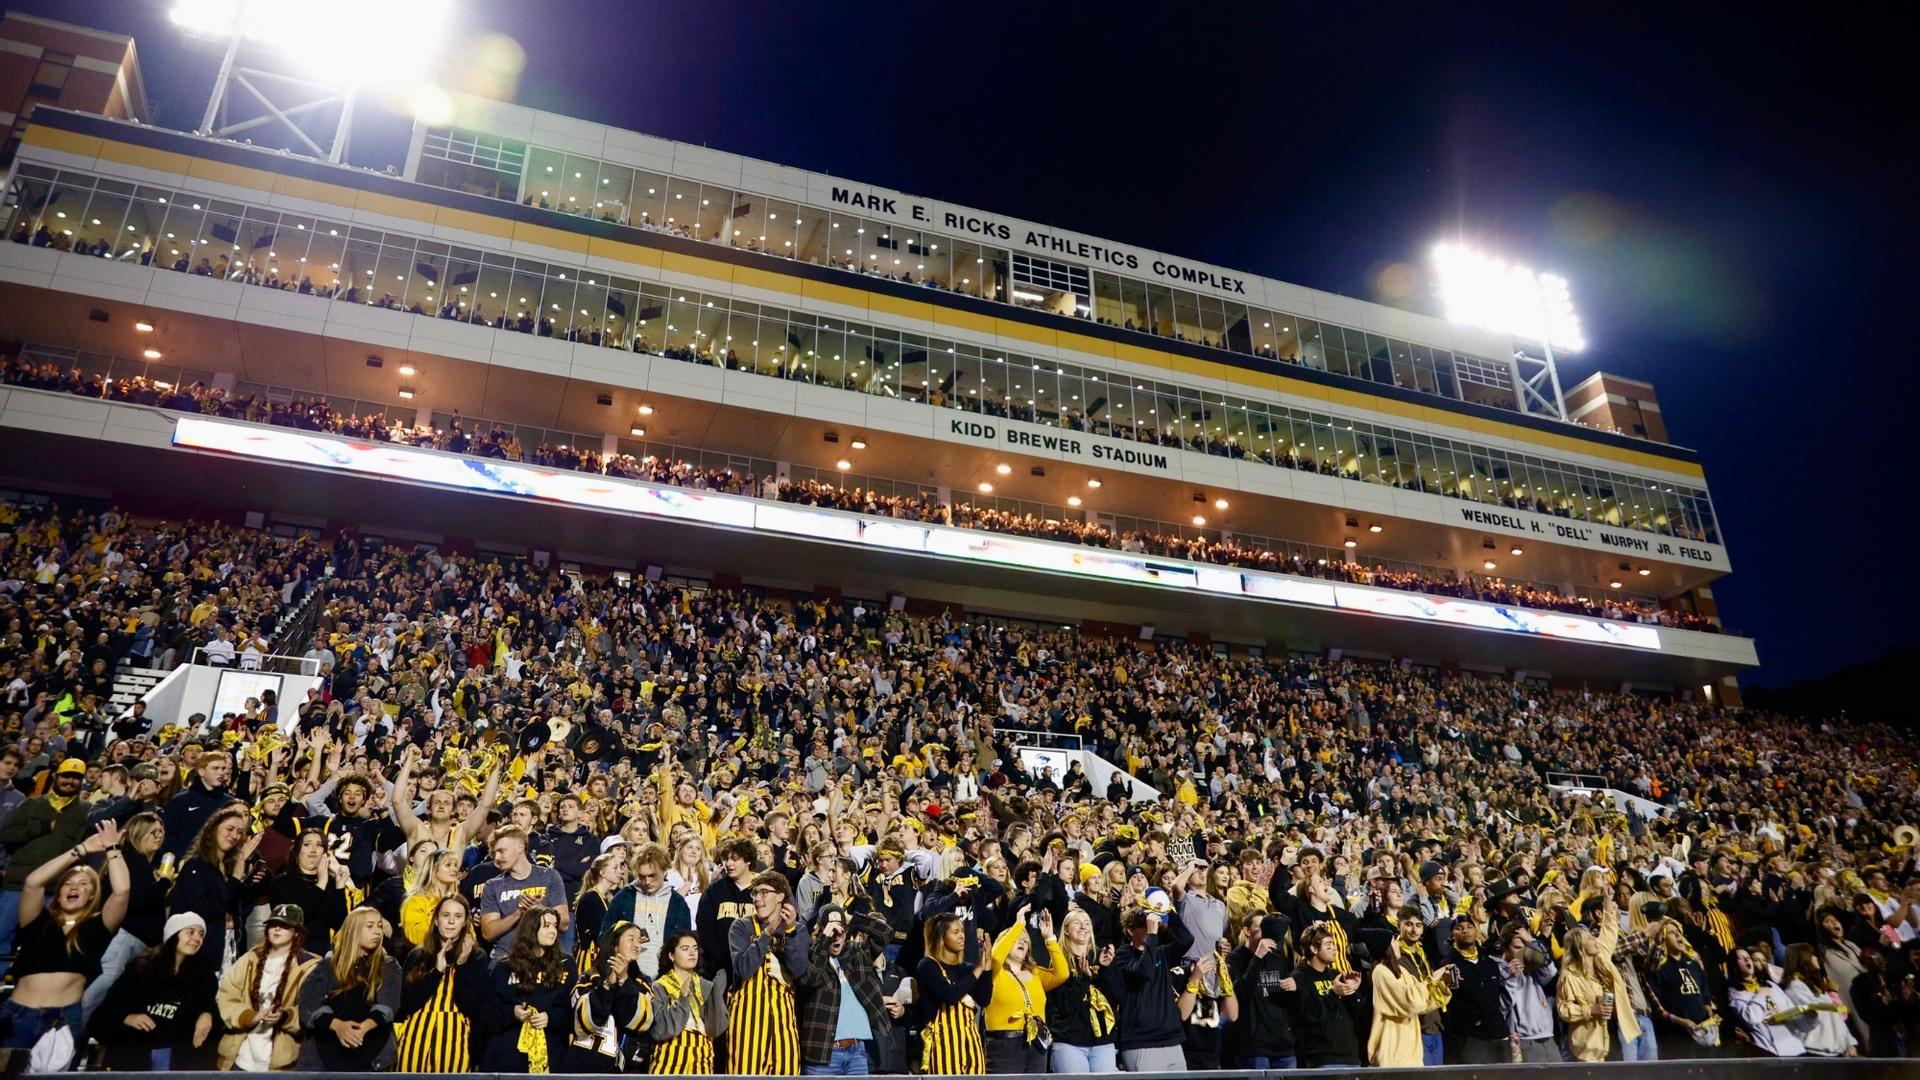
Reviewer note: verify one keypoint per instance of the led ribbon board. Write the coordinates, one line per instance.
(596, 492)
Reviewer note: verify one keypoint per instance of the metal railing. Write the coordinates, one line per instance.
(278, 663)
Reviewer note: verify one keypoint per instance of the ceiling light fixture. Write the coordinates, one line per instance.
(143, 327)
(1073, 500)
(151, 354)
(986, 488)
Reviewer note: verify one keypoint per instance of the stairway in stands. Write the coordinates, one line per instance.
(130, 684)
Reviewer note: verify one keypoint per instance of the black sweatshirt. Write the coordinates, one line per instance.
(1326, 1034)
(1150, 1017)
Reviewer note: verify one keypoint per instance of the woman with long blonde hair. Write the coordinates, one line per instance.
(1016, 1010)
(691, 871)
(436, 876)
(60, 943)
(604, 877)
(1683, 1001)
(1083, 1010)
(349, 1001)
(1592, 999)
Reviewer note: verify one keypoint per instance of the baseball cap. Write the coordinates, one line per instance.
(72, 765)
(288, 915)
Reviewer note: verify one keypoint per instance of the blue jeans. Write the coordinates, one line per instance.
(120, 952)
(24, 1026)
(1083, 1059)
(850, 1061)
(1287, 1062)
(9, 925)
(1433, 1049)
(1646, 1047)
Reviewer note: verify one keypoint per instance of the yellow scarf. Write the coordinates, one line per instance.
(533, 1043)
(1099, 1009)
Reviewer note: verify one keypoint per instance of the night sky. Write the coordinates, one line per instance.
(1723, 189)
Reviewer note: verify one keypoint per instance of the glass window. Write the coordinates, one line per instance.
(579, 178)
(1186, 316)
(777, 232)
(936, 262)
(589, 314)
(358, 269)
(682, 207)
(1135, 312)
(394, 272)
(523, 292)
(1313, 350)
(1073, 399)
(813, 237)
(458, 275)
(1238, 335)
(710, 216)
(649, 200)
(257, 256)
(613, 194)
(545, 171)
(326, 254)
(1379, 359)
(1213, 322)
(827, 353)
(426, 278)
(101, 226)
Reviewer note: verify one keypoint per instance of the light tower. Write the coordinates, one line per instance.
(297, 67)
(1535, 309)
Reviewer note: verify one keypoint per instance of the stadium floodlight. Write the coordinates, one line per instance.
(339, 49)
(1488, 293)
(1492, 294)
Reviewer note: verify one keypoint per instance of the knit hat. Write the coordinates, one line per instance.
(185, 920)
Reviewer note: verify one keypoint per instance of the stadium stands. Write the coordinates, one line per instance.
(1351, 863)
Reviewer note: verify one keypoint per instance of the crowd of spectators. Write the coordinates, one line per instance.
(527, 821)
(495, 441)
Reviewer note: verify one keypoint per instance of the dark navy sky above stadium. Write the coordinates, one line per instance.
(1725, 193)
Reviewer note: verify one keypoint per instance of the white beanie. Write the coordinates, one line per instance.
(184, 920)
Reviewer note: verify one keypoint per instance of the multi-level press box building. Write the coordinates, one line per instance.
(1362, 477)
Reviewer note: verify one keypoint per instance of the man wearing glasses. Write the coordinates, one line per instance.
(770, 951)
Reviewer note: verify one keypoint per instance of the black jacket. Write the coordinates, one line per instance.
(1150, 1016)
(1478, 1009)
(186, 812)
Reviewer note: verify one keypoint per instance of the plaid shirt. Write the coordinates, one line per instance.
(820, 999)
